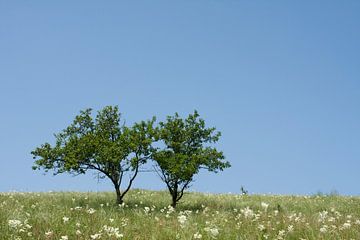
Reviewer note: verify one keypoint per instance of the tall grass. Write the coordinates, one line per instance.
(147, 215)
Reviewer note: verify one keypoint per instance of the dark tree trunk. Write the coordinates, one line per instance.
(174, 195)
(118, 195)
(174, 200)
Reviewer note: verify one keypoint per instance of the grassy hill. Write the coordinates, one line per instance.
(147, 215)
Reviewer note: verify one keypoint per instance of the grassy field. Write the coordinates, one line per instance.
(147, 215)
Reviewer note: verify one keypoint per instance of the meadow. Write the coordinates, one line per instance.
(147, 215)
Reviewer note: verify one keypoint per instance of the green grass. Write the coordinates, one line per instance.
(146, 215)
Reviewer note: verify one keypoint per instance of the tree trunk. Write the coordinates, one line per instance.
(118, 195)
(174, 195)
(174, 200)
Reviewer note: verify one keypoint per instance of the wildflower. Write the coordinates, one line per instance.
(197, 235)
(290, 228)
(324, 229)
(322, 216)
(78, 232)
(112, 231)
(248, 213)
(14, 223)
(124, 222)
(346, 225)
(49, 233)
(146, 210)
(169, 211)
(281, 232)
(212, 231)
(91, 211)
(78, 224)
(264, 205)
(95, 236)
(118, 235)
(64, 237)
(261, 227)
(182, 219)
(28, 226)
(65, 219)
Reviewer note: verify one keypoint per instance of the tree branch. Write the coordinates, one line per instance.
(183, 189)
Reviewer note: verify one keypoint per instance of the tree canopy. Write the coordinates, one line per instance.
(102, 144)
(186, 149)
(180, 148)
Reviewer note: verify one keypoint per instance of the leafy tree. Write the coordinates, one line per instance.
(186, 149)
(102, 144)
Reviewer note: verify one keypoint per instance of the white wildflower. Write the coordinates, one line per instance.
(112, 231)
(322, 216)
(49, 233)
(261, 227)
(182, 219)
(324, 229)
(95, 236)
(346, 225)
(264, 205)
(91, 211)
(65, 219)
(14, 223)
(197, 235)
(248, 213)
(212, 231)
(146, 210)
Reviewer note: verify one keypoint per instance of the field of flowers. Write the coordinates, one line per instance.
(147, 215)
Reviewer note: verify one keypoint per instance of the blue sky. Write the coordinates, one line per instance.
(279, 79)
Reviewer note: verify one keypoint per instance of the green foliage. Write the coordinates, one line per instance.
(186, 150)
(114, 150)
(100, 144)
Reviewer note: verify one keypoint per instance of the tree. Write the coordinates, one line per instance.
(104, 145)
(186, 149)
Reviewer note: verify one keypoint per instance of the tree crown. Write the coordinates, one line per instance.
(187, 147)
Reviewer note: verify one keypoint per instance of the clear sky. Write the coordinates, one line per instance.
(279, 79)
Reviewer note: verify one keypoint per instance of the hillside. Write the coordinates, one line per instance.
(147, 215)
